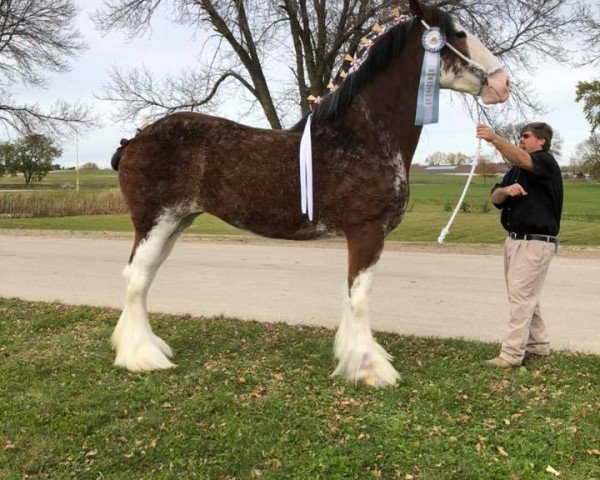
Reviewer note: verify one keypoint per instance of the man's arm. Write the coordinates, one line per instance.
(516, 156)
(499, 195)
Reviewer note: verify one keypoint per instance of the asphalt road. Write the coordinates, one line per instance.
(420, 293)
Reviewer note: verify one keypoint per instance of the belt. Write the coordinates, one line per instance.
(533, 236)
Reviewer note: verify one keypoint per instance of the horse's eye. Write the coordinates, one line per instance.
(461, 34)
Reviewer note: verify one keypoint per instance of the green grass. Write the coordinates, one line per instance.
(419, 225)
(64, 179)
(250, 400)
(431, 196)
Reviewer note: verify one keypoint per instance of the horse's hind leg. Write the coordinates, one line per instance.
(137, 347)
(361, 358)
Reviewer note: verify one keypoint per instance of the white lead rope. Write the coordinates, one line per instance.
(446, 229)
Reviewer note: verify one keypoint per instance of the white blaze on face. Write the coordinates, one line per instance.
(466, 80)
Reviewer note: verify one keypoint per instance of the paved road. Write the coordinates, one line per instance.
(439, 294)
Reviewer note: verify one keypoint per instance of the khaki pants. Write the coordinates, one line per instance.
(526, 264)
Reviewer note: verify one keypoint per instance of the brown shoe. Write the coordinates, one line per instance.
(497, 363)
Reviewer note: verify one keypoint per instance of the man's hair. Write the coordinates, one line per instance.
(540, 130)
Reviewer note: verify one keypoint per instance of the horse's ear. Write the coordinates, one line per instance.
(416, 9)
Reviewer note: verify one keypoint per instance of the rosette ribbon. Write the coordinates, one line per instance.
(428, 98)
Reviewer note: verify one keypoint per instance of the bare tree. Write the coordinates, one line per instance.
(38, 36)
(486, 167)
(305, 42)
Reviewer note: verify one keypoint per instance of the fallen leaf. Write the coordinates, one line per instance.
(501, 451)
(594, 451)
(549, 469)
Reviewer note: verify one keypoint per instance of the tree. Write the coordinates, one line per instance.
(32, 156)
(485, 167)
(588, 157)
(37, 36)
(89, 166)
(304, 43)
(457, 158)
(436, 158)
(443, 158)
(3, 153)
(589, 94)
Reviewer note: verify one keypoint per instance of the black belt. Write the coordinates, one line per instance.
(533, 236)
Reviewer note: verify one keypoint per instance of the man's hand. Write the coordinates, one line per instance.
(501, 194)
(485, 133)
(514, 190)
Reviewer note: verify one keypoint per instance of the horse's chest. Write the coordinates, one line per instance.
(398, 186)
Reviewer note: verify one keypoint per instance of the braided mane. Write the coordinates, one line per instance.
(384, 49)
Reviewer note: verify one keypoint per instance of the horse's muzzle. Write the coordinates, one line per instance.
(497, 89)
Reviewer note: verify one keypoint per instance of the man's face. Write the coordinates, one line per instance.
(530, 143)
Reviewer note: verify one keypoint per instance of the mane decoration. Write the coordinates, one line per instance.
(377, 49)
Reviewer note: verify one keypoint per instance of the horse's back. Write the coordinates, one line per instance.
(246, 176)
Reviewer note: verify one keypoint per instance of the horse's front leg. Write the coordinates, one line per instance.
(360, 357)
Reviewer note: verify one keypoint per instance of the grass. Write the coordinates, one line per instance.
(251, 400)
(65, 180)
(57, 203)
(431, 197)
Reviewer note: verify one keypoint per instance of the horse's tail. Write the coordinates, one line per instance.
(114, 161)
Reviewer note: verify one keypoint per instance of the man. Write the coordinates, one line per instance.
(530, 197)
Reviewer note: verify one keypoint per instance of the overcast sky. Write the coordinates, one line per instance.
(168, 49)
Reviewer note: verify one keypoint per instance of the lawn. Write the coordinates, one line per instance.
(432, 198)
(252, 400)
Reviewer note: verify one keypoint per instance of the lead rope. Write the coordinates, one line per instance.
(446, 229)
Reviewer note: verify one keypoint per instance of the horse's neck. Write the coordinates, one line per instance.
(385, 110)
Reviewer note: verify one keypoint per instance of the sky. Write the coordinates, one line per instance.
(169, 48)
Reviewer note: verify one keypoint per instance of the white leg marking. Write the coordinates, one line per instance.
(137, 347)
(360, 357)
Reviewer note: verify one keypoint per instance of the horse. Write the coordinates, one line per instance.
(363, 140)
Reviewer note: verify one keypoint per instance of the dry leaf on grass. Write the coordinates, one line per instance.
(549, 469)
(501, 450)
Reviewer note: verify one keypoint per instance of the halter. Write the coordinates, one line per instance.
(482, 72)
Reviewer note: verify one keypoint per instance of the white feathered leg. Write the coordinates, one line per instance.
(360, 357)
(137, 347)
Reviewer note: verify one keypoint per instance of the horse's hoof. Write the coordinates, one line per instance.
(370, 382)
(375, 382)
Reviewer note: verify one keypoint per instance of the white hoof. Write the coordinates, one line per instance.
(371, 368)
(144, 357)
(145, 353)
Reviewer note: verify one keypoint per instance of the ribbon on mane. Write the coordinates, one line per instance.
(428, 98)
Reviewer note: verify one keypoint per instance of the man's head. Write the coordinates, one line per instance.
(536, 136)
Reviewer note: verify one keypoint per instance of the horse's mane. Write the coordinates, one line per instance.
(384, 49)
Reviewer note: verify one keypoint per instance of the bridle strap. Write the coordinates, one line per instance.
(470, 62)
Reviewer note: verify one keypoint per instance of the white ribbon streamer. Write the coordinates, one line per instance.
(306, 175)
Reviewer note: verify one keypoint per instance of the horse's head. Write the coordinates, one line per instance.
(467, 65)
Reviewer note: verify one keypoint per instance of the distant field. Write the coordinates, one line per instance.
(64, 179)
(432, 196)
